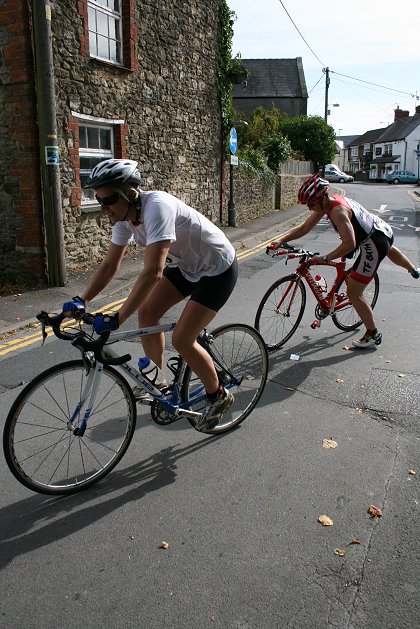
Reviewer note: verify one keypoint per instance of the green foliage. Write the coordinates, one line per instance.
(254, 162)
(277, 150)
(237, 71)
(262, 125)
(312, 137)
(225, 59)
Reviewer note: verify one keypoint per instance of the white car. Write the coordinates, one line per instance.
(337, 176)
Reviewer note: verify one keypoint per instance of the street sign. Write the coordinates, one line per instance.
(234, 160)
(233, 140)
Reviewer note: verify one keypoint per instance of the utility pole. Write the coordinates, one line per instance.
(48, 141)
(327, 85)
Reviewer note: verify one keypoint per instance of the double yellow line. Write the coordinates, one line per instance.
(6, 347)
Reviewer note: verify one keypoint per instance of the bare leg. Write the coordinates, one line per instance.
(194, 318)
(355, 292)
(161, 299)
(397, 257)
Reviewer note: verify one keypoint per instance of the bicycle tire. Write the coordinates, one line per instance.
(237, 349)
(273, 324)
(40, 450)
(347, 319)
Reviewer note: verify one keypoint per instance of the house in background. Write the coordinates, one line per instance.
(378, 152)
(272, 83)
(396, 147)
(341, 158)
(360, 152)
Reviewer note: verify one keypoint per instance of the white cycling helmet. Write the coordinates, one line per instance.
(114, 172)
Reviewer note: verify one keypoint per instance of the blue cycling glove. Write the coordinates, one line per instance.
(75, 305)
(105, 323)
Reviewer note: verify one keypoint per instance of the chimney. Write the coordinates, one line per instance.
(418, 109)
(400, 113)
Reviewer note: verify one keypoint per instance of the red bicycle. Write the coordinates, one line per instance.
(281, 309)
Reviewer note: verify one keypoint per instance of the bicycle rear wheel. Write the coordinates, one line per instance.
(44, 454)
(280, 311)
(241, 361)
(346, 318)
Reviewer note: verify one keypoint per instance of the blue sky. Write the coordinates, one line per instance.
(376, 41)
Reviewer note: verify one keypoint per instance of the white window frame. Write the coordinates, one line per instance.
(99, 154)
(98, 8)
(354, 151)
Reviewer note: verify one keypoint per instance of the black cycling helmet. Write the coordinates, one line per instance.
(114, 172)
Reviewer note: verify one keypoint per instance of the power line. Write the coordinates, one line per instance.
(291, 19)
(312, 88)
(370, 83)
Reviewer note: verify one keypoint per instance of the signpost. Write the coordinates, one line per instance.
(233, 146)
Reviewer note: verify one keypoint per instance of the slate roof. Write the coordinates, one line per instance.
(367, 138)
(272, 78)
(400, 129)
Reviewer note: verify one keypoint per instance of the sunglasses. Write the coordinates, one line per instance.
(110, 200)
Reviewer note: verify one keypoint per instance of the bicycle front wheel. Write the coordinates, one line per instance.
(241, 360)
(346, 318)
(280, 311)
(40, 447)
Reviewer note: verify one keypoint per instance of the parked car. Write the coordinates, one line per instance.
(337, 175)
(401, 176)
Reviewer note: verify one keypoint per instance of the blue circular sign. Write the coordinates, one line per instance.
(233, 140)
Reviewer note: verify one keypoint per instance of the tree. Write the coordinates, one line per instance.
(312, 137)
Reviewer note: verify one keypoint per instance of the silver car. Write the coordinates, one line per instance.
(337, 176)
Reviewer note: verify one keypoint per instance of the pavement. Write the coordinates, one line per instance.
(19, 310)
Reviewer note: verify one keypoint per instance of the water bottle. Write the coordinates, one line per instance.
(321, 283)
(151, 371)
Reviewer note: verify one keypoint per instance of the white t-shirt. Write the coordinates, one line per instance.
(198, 247)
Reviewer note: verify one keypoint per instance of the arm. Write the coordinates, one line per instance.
(302, 229)
(345, 230)
(105, 272)
(154, 263)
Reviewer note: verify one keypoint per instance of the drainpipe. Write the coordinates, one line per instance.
(48, 141)
(405, 155)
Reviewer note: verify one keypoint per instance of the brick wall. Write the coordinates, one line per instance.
(21, 234)
(165, 94)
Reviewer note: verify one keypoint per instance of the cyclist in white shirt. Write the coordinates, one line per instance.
(186, 255)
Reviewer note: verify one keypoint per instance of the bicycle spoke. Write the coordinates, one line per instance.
(41, 448)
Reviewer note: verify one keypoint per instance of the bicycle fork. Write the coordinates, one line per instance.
(89, 392)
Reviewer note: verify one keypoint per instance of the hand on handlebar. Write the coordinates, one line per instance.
(74, 307)
(105, 323)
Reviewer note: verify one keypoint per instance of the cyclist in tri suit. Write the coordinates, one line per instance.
(186, 255)
(358, 230)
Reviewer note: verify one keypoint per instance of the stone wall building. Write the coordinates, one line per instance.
(133, 79)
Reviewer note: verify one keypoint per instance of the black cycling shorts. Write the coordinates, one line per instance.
(372, 252)
(212, 292)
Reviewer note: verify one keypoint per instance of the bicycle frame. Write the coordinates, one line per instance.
(173, 404)
(328, 302)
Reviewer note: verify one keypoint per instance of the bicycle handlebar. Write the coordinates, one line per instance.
(284, 249)
(80, 340)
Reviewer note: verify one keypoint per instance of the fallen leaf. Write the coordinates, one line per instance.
(164, 545)
(17, 318)
(269, 497)
(325, 520)
(339, 552)
(388, 361)
(329, 443)
(374, 512)
(212, 617)
(358, 410)
(340, 380)
(412, 472)
(290, 389)
(347, 347)
(355, 540)
(401, 375)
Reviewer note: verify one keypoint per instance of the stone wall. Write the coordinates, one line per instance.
(164, 97)
(253, 195)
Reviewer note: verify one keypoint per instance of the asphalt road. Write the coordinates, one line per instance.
(240, 512)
